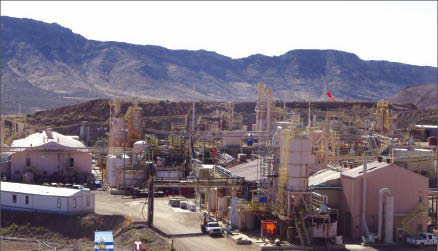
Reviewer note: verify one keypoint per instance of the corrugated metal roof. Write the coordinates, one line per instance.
(371, 167)
(37, 189)
(427, 126)
(323, 176)
(247, 170)
(41, 138)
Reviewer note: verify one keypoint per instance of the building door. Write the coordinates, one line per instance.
(348, 223)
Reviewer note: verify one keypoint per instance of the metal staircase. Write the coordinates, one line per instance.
(403, 223)
(302, 232)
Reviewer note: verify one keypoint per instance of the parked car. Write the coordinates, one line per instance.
(210, 226)
(98, 184)
(423, 239)
(191, 206)
(175, 202)
(80, 187)
(183, 204)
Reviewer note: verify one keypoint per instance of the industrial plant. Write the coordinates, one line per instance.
(294, 178)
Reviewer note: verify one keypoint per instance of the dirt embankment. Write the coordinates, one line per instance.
(72, 232)
(60, 229)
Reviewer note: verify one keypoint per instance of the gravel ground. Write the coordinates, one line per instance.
(181, 225)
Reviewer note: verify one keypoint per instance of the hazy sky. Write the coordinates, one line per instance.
(395, 31)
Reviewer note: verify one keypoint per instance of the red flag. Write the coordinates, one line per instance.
(330, 96)
(214, 154)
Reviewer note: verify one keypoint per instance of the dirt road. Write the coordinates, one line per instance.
(181, 225)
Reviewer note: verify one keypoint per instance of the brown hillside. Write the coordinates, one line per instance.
(423, 96)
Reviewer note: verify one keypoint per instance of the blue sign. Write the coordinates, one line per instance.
(103, 241)
(263, 200)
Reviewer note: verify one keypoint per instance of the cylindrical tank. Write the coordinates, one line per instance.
(222, 203)
(212, 200)
(82, 133)
(389, 219)
(234, 212)
(139, 146)
(111, 171)
(115, 169)
(135, 123)
(300, 156)
(118, 133)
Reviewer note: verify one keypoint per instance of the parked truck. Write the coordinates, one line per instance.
(210, 226)
(423, 239)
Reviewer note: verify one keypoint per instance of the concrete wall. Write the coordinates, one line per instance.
(406, 187)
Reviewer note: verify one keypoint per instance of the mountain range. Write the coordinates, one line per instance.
(46, 65)
(423, 96)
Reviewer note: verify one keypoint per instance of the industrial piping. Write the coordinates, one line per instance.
(388, 214)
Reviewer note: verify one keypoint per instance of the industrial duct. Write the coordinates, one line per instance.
(389, 215)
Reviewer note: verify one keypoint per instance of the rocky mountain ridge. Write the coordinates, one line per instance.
(46, 65)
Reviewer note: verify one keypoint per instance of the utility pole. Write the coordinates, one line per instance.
(284, 110)
(308, 122)
(193, 113)
(124, 157)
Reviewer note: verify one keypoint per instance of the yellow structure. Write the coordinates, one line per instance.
(134, 116)
(383, 118)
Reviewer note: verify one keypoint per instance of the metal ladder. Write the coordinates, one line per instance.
(302, 232)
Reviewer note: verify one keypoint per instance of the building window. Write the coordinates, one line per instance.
(88, 201)
(58, 204)
(27, 161)
(27, 200)
(74, 203)
(14, 198)
(72, 162)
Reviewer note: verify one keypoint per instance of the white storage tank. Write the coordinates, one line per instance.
(115, 169)
(300, 157)
(234, 212)
(111, 170)
(139, 146)
(212, 199)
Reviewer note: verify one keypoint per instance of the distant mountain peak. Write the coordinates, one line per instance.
(47, 65)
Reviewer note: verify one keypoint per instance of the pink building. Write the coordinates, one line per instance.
(50, 154)
(410, 191)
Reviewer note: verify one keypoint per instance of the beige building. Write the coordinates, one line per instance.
(49, 154)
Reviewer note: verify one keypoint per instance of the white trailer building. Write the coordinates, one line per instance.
(45, 199)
